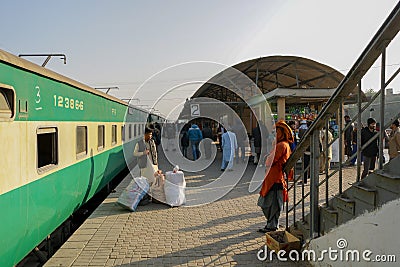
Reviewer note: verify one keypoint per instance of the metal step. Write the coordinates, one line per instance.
(345, 208)
(344, 203)
(365, 197)
(304, 228)
(328, 219)
(387, 181)
(393, 167)
(387, 174)
(376, 189)
(297, 233)
(365, 194)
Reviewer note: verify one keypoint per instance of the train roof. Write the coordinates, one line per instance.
(21, 63)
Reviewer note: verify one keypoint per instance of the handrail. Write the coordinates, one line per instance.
(298, 203)
(375, 48)
(382, 38)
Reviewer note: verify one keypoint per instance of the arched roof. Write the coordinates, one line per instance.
(277, 72)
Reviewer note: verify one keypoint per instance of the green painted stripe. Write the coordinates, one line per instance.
(50, 100)
(34, 210)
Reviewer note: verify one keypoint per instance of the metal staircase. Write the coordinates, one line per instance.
(372, 192)
(329, 209)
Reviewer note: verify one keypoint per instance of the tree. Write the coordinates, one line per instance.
(370, 92)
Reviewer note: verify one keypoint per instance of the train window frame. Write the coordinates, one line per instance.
(135, 130)
(7, 93)
(122, 133)
(52, 160)
(114, 134)
(83, 153)
(101, 146)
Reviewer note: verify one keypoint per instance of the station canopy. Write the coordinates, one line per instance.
(277, 72)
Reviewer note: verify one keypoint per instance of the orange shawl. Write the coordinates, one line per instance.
(275, 161)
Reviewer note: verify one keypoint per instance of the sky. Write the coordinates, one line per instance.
(131, 44)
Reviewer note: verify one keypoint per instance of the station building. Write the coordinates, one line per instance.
(292, 87)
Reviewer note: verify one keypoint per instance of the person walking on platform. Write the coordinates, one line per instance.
(146, 153)
(220, 132)
(242, 140)
(207, 136)
(229, 146)
(371, 151)
(156, 134)
(354, 143)
(185, 140)
(169, 132)
(292, 125)
(394, 140)
(303, 128)
(304, 125)
(257, 143)
(274, 188)
(326, 153)
(348, 151)
(195, 136)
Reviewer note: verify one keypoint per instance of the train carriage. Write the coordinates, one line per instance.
(62, 142)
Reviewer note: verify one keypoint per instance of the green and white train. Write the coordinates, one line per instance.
(61, 142)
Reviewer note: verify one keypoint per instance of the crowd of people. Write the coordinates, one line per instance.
(233, 143)
(369, 153)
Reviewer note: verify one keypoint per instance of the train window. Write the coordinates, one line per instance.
(100, 137)
(81, 141)
(23, 106)
(7, 100)
(114, 135)
(130, 131)
(135, 132)
(47, 148)
(123, 133)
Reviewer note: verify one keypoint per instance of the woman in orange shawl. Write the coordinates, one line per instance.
(274, 189)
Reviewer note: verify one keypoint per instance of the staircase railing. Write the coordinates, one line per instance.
(376, 48)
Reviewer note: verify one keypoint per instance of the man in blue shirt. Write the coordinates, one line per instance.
(195, 136)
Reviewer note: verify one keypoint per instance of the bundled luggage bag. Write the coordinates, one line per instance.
(157, 191)
(174, 186)
(133, 193)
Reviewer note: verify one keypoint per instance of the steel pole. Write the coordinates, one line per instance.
(314, 189)
(359, 127)
(382, 117)
(340, 123)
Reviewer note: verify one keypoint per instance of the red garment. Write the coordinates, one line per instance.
(291, 175)
(275, 174)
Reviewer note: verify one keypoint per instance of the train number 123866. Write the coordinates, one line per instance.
(66, 102)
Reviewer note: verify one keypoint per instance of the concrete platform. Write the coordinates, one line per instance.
(222, 233)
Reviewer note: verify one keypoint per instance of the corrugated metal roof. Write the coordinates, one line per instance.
(272, 72)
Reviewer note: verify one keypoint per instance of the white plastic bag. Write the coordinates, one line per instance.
(175, 185)
(149, 171)
(133, 193)
(157, 190)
